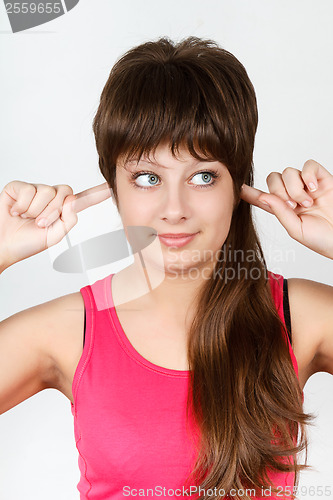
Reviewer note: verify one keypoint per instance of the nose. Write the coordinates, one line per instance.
(175, 205)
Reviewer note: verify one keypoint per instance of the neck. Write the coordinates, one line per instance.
(172, 291)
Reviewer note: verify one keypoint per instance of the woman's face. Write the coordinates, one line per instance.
(177, 195)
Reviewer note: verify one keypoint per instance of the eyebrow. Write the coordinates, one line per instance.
(158, 164)
(153, 163)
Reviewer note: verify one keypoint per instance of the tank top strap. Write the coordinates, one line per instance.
(98, 302)
(96, 305)
(276, 283)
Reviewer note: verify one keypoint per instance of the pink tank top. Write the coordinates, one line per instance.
(129, 414)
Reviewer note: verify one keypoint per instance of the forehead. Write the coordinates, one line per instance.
(163, 158)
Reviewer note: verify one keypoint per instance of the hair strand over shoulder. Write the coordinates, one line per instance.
(244, 393)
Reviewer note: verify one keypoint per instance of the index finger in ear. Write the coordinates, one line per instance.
(91, 196)
(251, 195)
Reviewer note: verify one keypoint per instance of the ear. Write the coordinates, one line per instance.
(112, 194)
(114, 200)
(236, 203)
(113, 197)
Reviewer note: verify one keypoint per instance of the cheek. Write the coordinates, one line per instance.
(220, 220)
(217, 209)
(220, 227)
(135, 209)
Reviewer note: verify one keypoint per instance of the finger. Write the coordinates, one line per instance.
(43, 196)
(285, 214)
(54, 209)
(251, 195)
(313, 172)
(295, 187)
(21, 194)
(276, 186)
(91, 196)
(67, 220)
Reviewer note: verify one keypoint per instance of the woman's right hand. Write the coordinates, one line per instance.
(20, 235)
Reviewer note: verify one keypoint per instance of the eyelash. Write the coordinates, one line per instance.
(213, 173)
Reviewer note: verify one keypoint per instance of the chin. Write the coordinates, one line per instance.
(184, 268)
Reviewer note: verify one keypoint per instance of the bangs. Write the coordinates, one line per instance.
(194, 95)
(165, 104)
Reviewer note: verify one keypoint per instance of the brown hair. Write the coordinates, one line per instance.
(243, 392)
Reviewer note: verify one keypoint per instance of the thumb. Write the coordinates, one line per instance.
(56, 231)
(284, 213)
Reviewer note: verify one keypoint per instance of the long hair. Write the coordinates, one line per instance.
(243, 391)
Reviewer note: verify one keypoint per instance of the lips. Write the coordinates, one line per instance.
(176, 239)
(176, 235)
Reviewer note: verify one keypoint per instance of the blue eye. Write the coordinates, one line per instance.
(205, 177)
(151, 176)
(209, 177)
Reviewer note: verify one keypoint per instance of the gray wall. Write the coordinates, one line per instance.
(52, 77)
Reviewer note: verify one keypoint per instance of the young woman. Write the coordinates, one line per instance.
(184, 370)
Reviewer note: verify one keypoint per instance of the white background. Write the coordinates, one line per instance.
(52, 77)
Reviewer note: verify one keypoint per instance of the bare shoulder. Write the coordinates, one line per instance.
(311, 315)
(40, 348)
(65, 338)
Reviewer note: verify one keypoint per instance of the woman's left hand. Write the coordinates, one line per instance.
(312, 224)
